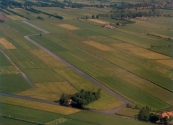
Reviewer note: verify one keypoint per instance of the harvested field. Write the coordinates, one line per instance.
(68, 26)
(166, 62)
(140, 51)
(6, 44)
(2, 17)
(98, 21)
(49, 90)
(98, 45)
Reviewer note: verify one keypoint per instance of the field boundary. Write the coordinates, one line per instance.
(17, 68)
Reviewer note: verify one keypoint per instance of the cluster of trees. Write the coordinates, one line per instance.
(146, 114)
(17, 14)
(40, 18)
(4, 12)
(39, 11)
(10, 3)
(80, 99)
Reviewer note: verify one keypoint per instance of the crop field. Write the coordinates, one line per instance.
(95, 118)
(128, 112)
(51, 77)
(134, 60)
(98, 73)
(15, 17)
(39, 106)
(98, 21)
(68, 26)
(6, 44)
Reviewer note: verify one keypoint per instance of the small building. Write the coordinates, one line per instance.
(167, 114)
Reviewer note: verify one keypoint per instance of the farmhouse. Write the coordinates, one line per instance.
(109, 26)
(166, 114)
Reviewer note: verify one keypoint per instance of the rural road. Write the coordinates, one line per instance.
(110, 91)
(17, 68)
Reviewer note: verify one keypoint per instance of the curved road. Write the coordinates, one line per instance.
(110, 91)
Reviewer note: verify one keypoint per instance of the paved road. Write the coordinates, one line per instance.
(112, 111)
(23, 74)
(28, 98)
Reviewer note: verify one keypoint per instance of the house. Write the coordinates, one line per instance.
(167, 114)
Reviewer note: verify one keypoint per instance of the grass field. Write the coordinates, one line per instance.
(95, 118)
(128, 112)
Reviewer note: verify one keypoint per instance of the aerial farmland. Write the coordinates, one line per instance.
(77, 62)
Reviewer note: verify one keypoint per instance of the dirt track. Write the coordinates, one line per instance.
(112, 111)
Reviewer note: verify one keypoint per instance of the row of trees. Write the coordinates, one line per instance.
(17, 14)
(133, 14)
(39, 11)
(80, 99)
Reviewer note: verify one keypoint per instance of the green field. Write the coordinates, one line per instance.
(128, 112)
(135, 60)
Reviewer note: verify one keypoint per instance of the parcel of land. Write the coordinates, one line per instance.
(63, 48)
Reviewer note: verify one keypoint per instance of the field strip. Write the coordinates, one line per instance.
(98, 21)
(110, 91)
(68, 26)
(6, 44)
(37, 104)
(17, 68)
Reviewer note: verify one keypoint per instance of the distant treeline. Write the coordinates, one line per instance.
(39, 11)
(17, 14)
(68, 3)
(80, 99)
(4, 12)
(133, 14)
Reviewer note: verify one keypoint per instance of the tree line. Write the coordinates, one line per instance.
(17, 14)
(39, 11)
(80, 99)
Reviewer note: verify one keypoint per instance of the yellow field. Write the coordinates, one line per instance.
(6, 44)
(98, 21)
(68, 26)
(8, 70)
(140, 51)
(38, 105)
(47, 59)
(15, 17)
(49, 90)
(98, 45)
(167, 62)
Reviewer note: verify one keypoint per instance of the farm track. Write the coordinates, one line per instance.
(17, 68)
(110, 91)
